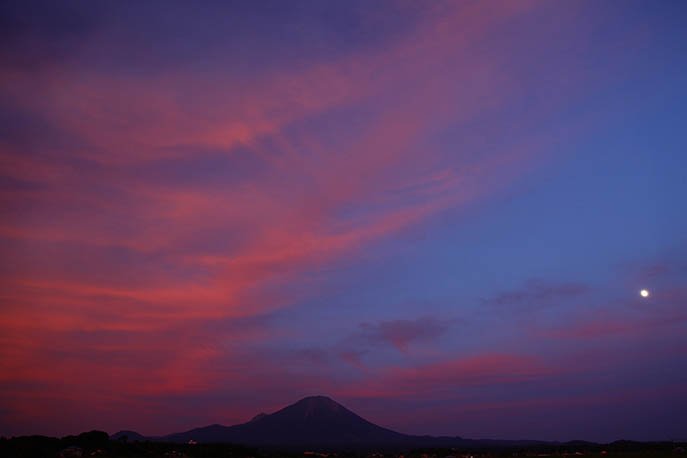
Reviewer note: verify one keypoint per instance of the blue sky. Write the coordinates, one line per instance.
(440, 214)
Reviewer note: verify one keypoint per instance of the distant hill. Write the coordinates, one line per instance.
(131, 436)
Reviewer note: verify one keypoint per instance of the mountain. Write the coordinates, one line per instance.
(312, 421)
(259, 416)
(320, 422)
(129, 436)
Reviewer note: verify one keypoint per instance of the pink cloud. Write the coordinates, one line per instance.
(97, 199)
(401, 333)
(436, 380)
(537, 293)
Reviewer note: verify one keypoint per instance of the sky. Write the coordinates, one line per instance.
(439, 213)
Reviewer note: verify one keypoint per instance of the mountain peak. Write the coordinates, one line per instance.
(258, 417)
(128, 436)
(318, 397)
(317, 405)
(320, 400)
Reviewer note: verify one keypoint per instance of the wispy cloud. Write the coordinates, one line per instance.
(402, 333)
(537, 293)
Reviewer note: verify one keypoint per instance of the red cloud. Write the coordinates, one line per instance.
(436, 380)
(99, 245)
(401, 333)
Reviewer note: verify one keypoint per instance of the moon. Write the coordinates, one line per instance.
(644, 293)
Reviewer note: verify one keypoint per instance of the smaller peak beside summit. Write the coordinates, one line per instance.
(125, 436)
(258, 417)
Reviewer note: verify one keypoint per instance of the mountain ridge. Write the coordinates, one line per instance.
(313, 420)
(318, 422)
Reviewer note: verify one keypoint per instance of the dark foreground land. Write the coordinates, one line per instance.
(98, 443)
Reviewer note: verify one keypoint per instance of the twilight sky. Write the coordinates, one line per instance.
(438, 213)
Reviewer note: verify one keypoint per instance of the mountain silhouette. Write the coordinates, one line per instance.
(315, 420)
(259, 416)
(132, 436)
(318, 422)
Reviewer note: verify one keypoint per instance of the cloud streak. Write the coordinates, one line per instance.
(402, 333)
